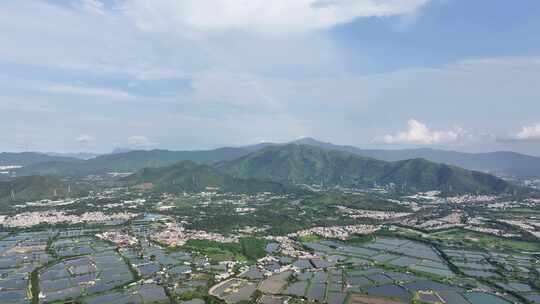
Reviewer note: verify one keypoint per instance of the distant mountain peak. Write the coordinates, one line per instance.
(121, 150)
(504, 163)
(309, 164)
(310, 141)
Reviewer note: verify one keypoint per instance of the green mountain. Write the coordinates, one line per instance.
(507, 163)
(306, 164)
(28, 188)
(192, 177)
(28, 158)
(501, 162)
(129, 162)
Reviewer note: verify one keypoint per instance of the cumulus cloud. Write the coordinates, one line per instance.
(262, 16)
(140, 141)
(418, 133)
(529, 133)
(84, 138)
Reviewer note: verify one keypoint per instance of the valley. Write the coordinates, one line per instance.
(134, 245)
(283, 224)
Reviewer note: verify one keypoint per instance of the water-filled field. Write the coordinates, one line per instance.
(55, 266)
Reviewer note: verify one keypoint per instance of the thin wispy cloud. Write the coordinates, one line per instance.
(86, 91)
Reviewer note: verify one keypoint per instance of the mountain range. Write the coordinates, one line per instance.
(29, 158)
(272, 167)
(499, 163)
(129, 162)
(306, 164)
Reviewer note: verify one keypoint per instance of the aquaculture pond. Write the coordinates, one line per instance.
(59, 266)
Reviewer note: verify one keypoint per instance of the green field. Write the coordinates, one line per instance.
(308, 239)
(248, 248)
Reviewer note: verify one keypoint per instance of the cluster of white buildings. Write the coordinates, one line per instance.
(435, 198)
(429, 195)
(453, 220)
(377, 215)
(47, 203)
(531, 226)
(414, 206)
(289, 247)
(176, 235)
(132, 204)
(29, 219)
(478, 224)
(337, 232)
(229, 270)
(210, 197)
(121, 239)
(244, 210)
(469, 198)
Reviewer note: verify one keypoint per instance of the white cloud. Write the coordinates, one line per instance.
(529, 133)
(84, 138)
(84, 90)
(235, 74)
(107, 43)
(418, 133)
(140, 141)
(262, 16)
(93, 6)
(113, 44)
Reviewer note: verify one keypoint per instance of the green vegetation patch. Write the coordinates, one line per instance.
(248, 248)
(308, 238)
(360, 239)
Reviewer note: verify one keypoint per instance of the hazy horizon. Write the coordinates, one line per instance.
(379, 147)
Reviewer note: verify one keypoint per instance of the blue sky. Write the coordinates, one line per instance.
(91, 75)
(443, 32)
